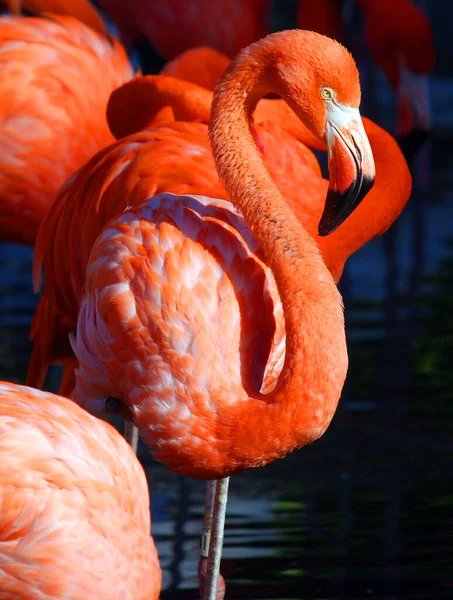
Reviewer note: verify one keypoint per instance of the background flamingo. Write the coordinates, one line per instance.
(140, 101)
(399, 36)
(56, 77)
(75, 505)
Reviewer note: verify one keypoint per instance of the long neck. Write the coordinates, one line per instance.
(316, 356)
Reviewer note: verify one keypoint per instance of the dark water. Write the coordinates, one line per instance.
(366, 512)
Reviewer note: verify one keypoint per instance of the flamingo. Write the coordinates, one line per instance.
(75, 519)
(56, 77)
(402, 45)
(144, 164)
(140, 101)
(196, 349)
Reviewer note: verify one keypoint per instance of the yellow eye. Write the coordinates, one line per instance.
(327, 93)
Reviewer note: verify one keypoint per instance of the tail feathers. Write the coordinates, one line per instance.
(40, 359)
(51, 343)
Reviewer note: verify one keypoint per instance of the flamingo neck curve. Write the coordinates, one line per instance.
(316, 355)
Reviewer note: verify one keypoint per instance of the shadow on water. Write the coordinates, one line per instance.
(365, 512)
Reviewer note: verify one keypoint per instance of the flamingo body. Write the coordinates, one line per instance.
(52, 111)
(175, 287)
(174, 158)
(139, 101)
(179, 317)
(75, 517)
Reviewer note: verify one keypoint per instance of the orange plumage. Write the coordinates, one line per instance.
(74, 519)
(116, 184)
(180, 317)
(176, 159)
(56, 75)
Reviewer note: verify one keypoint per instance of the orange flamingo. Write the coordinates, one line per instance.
(140, 102)
(145, 164)
(56, 77)
(173, 158)
(173, 280)
(75, 505)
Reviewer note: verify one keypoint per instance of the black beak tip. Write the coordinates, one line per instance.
(339, 206)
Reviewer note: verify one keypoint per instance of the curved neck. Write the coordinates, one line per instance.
(316, 358)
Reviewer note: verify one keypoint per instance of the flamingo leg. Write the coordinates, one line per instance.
(131, 435)
(206, 534)
(213, 586)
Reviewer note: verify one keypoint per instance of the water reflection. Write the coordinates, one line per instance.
(363, 513)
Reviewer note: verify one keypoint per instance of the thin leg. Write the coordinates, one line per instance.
(206, 534)
(211, 589)
(208, 511)
(131, 435)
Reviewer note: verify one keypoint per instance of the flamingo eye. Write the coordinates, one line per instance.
(111, 404)
(327, 93)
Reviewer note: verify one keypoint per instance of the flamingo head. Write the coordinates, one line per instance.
(351, 163)
(323, 89)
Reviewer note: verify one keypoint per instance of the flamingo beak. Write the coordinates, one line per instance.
(351, 166)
